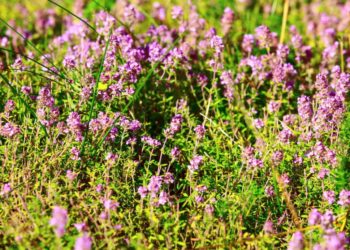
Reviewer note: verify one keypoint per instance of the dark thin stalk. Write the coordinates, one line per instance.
(81, 19)
(37, 74)
(35, 61)
(15, 92)
(28, 42)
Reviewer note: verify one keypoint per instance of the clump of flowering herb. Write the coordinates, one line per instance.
(83, 243)
(175, 126)
(59, 220)
(297, 242)
(227, 20)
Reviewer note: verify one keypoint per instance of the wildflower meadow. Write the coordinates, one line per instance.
(175, 124)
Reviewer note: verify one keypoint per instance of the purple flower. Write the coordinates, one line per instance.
(248, 153)
(112, 134)
(248, 43)
(134, 125)
(200, 131)
(85, 93)
(283, 73)
(110, 204)
(131, 141)
(150, 141)
(104, 22)
(257, 67)
(111, 158)
(26, 90)
(62, 128)
(143, 191)
(71, 175)
(9, 130)
(268, 227)
(196, 161)
(226, 78)
(199, 199)
(9, 106)
(201, 188)
(277, 157)
(45, 19)
(75, 153)
(314, 217)
(297, 40)
(297, 242)
(344, 198)
(306, 136)
(330, 53)
(95, 125)
(69, 62)
(104, 120)
(163, 198)
(158, 11)
(327, 219)
(258, 123)
(329, 196)
(285, 179)
(132, 15)
(99, 188)
(317, 247)
(217, 44)
(175, 125)
(155, 51)
(176, 12)
(4, 41)
(269, 191)
(323, 173)
(227, 20)
(254, 162)
(18, 64)
(336, 241)
(321, 82)
(59, 220)
(273, 106)
(75, 125)
(155, 184)
(175, 152)
(209, 209)
(264, 36)
(104, 215)
(282, 51)
(297, 160)
(335, 72)
(202, 80)
(81, 227)
(195, 23)
(5, 189)
(285, 136)
(83, 243)
(318, 151)
(124, 122)
(168, 178)
(305, 108)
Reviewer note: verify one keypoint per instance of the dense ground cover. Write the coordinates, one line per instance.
(175, 124)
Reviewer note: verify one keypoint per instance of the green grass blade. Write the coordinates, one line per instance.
(94, 95)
